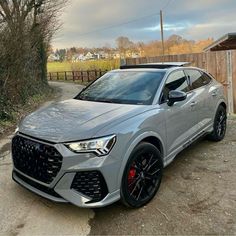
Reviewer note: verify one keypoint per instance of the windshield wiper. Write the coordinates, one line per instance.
(105, 100)
(85, 99)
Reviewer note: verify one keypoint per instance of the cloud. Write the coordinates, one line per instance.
(94, 23)
(170, 27)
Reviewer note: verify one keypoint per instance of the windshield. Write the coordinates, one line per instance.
(125, 87)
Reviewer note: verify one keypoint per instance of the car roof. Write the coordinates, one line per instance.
(160, 65)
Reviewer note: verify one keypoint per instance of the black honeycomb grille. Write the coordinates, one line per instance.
(37, 160)
(90, 184)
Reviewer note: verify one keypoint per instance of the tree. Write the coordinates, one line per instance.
(62, 54)
(26, 28)
(123, 44)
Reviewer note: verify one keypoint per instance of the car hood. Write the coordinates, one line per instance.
(73, 120)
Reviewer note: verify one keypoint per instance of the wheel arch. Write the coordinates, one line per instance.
(221, 102)
(156, 142)
(148, 136)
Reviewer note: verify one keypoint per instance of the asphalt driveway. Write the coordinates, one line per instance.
(197, 196)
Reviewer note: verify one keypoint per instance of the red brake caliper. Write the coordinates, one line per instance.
(132, 173)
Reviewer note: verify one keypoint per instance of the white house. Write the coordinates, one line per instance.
(78, 57)
(53, 57)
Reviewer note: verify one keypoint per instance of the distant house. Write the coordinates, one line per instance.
(135, 55)
(53, 57)
(103, 55)
(78, 57)
(89, 56)
(116, 55)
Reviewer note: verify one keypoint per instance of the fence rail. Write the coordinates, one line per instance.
(83, 76)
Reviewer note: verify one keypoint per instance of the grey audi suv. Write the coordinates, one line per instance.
(114, 138)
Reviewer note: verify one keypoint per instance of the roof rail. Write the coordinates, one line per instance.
(164, 65)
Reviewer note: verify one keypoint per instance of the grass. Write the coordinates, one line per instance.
(59, 66)
(83, 65)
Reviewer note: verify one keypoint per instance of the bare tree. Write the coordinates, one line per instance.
(123, 44)
(26, 29)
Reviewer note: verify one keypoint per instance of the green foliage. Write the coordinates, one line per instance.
(5, 108)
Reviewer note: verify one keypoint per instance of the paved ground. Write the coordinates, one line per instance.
(197, 196)
(24, 213)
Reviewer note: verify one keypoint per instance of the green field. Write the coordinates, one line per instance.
(85, 65)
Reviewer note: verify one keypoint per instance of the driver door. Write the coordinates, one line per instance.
(181, 118)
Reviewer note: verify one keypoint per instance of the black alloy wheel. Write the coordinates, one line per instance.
(220, 125)
(142, 175)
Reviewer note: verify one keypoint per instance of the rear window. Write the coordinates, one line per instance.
(206, 78)
(197, 78)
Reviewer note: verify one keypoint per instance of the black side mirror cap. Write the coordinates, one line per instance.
(176, 96)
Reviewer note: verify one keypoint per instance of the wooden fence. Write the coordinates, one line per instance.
(83, 76)
(222, 65)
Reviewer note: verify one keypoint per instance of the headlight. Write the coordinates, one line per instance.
(16, 130)
(99, 146)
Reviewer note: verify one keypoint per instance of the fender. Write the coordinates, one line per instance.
(222, 100)
(132, 144)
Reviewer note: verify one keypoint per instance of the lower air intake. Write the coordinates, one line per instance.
(91, 184)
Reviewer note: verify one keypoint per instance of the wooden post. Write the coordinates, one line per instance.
(82, 76)
(162, 35)
(65, 75)
(96, 74)
(73, 75)
(88, 76)
(57, 75)
(230, 82)
(100, 72)
(50, 76)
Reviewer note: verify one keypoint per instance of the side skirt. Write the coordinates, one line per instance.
(201, 134)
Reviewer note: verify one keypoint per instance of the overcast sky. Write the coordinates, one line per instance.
(94, 23)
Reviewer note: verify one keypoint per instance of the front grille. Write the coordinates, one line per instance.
(37, 185)
(91, 184)
(37, 160)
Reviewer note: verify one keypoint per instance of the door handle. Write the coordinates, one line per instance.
(214, 94)
(192, 104)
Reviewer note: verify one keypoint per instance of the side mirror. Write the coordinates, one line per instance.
(176, 96)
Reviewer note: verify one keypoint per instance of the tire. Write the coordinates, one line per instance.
(220, 125)
(142, 176)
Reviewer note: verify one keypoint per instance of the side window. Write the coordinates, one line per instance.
(176, 81)
(197, 78)
(206, 78)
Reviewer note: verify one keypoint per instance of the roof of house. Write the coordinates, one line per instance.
(226, 42)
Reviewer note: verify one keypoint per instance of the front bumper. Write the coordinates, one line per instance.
(79, 179)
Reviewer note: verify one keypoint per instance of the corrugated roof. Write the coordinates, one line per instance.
(227, 42)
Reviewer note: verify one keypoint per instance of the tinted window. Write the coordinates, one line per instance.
(206, 78)
(197, 78)
(125, 87)
(176, 81)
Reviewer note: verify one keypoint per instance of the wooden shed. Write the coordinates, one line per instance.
(227, 43)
